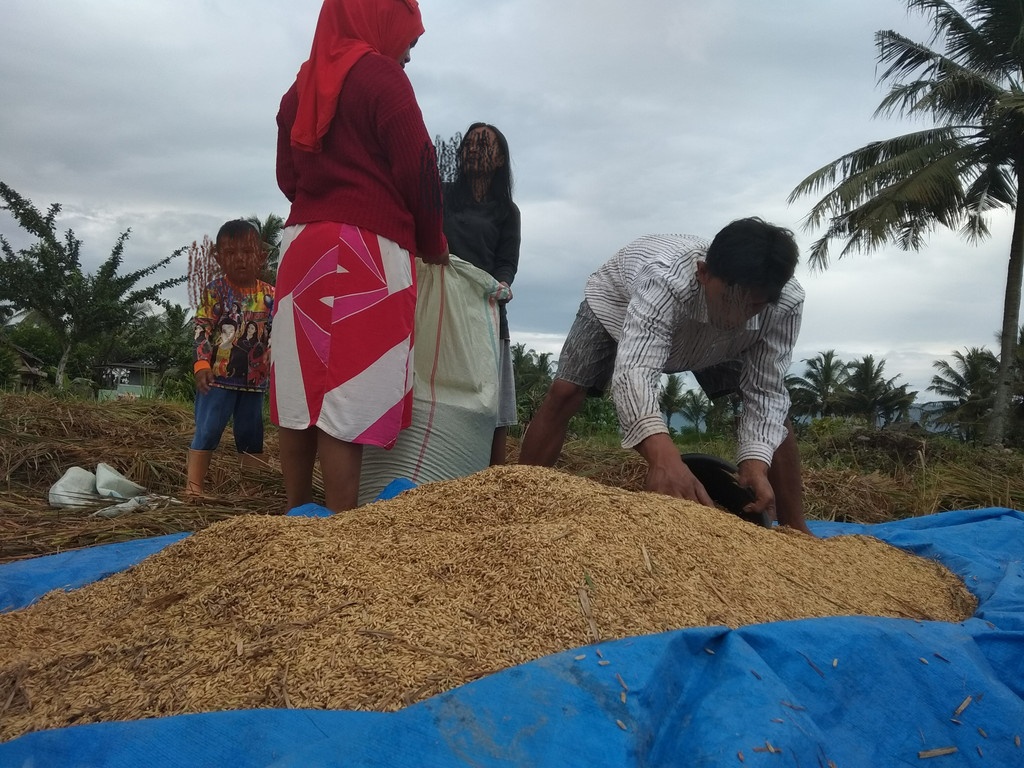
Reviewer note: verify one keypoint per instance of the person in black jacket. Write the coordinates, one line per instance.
(482, 225)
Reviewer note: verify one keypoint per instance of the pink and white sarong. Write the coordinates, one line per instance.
(342, 338)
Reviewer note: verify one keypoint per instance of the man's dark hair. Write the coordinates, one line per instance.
(754, 254)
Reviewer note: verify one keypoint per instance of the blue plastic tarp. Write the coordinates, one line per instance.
(853, 691)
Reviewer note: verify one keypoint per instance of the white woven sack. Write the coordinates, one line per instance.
(75, 488)
(455, 385)
(110, 482)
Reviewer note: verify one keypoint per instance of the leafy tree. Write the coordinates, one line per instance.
(954, 174)
(36, 338)
(47, 279)
(271, 229)
(168, 338)
(161, 340)
(112, 347)
(8, 361)
(533, 374)
(723, 416)
(820, 391)
(596, 417)
(967, 386)
(872, 396)
(670, 399)
(8, 365)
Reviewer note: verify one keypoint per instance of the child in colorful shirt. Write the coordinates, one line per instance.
(232, 347)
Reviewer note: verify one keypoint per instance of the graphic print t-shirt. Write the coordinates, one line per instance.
(232, 334)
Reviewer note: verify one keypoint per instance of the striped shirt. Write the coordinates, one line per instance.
(648, 298)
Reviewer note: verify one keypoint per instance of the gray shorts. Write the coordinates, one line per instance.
(588, 360)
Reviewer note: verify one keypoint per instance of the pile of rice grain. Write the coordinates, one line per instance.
(403, 599)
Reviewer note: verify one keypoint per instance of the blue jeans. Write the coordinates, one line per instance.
(216, 407)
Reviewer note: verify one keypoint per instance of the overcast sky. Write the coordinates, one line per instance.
(623, 118)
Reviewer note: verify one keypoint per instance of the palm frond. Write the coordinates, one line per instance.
(968, 36)
(904, 57)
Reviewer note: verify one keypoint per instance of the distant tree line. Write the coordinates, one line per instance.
(78, 324)
(829, 387)
(964, 390)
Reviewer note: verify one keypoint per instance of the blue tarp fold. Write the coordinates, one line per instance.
(856, 691)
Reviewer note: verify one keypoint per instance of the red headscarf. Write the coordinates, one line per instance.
(346, 31)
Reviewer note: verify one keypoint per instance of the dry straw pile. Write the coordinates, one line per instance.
(403, 599)
(146, 440)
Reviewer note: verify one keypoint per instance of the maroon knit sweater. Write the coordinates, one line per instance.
(377, 168)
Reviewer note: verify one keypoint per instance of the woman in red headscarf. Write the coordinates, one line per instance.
(356, 162)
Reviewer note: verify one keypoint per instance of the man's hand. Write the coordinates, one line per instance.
(753, 474)
(204, 380)
(666, 472)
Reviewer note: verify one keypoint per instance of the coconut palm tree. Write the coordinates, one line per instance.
(819, 392)
(954, 174)
(533, 374)
(271, 229)
(695, 407)
(872, 396)
(670, 400)
(967, 386)
(165, 339)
